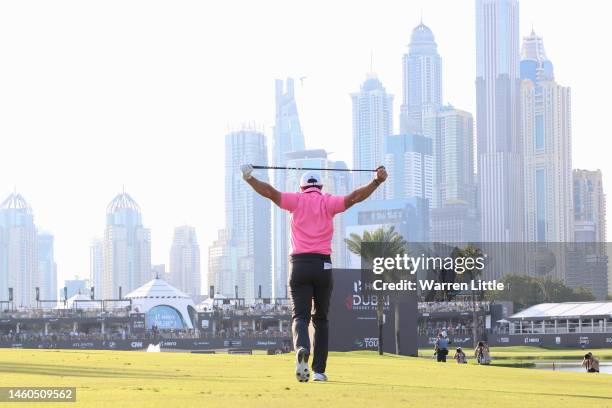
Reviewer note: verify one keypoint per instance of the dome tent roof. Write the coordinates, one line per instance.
(157, 289)
(157, 294)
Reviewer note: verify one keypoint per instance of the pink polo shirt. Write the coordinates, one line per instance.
(312, 214)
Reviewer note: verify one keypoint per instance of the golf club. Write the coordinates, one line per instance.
(309, 168)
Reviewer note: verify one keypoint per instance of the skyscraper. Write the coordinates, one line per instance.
(589, 206)
(220, 266)
(96, 266)
(334, 182)
(185, 271)
(18, 251)
(247, 214)
(372, 122)
(500, 167)
(409, 162)
(126, 249)
(452, 136)
(288, 137)
(546, 133)
(455, 222)
(590, 225)
(47, 268)
(422, 79)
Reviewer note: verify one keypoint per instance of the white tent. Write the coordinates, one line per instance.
(159, 295)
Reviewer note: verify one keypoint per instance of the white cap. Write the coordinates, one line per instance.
(311, 179)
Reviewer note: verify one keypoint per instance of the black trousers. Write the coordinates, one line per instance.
(309, 281)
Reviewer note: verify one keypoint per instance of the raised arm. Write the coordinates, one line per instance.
(262, 188)
(364, 192)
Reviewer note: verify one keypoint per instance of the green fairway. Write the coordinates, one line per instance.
(137, 379)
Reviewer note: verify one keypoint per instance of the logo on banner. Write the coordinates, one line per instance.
(367, 343)
(362, 301)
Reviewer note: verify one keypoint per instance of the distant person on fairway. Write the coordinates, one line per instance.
(460, 356)
(312, 213)
(441, 348)
(590, 363)
(482, 353)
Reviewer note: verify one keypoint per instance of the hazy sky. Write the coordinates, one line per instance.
(96, 95)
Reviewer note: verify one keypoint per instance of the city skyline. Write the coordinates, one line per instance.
(70, 236)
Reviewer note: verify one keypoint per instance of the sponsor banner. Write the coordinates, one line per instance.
(137, 323)
(591, 340)
(454, 341)
(353, 317)
(172, 344)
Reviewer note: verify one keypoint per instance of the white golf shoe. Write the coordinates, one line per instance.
(319, 377)
(302, 373)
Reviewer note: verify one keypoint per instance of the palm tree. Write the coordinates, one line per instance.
(392, 244)
(471, 251)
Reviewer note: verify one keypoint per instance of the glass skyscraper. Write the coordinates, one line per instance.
(19, 267)
(185, 271)
(247, 216)
(589, 206)
(96, 266)
(288, 137)
(409, 162)
(546, 132)
(500, 167)
(47, 268)
(451, 132)
(422, 79)
(126, 248)
(372, 122)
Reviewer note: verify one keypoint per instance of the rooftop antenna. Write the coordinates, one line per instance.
(421, 15)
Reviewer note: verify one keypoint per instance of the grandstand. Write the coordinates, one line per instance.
(561, 318)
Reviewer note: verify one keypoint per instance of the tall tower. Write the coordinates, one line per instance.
(96, 266)
(185, 261)
(452, 135)
(18, 251)
(589, 207)
(247, 215)
(500, 167)
(47, 268)
(592, 270)
(126, 249)
(546, 132)
(372, 122)
(220, 261)
(408, 159)
(288, 137)
(422, 79)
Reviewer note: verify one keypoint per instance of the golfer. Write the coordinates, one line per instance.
(310, 278)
